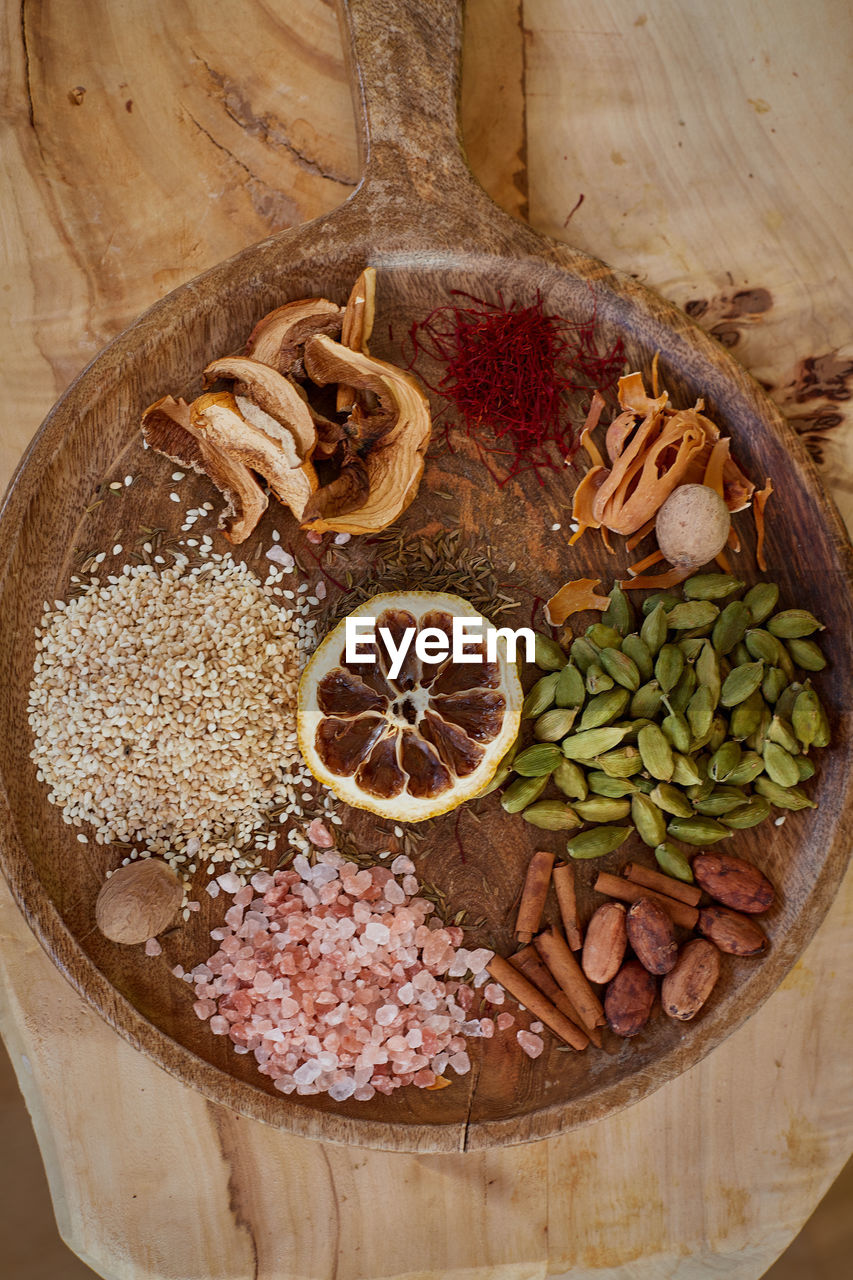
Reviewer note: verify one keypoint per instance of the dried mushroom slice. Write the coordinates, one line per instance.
(246, 433)
(357, 327)
(397, 744)
(279, 338)
(272, 394)
(167, 428)
(392, 440)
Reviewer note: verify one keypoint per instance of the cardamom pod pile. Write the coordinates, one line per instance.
(691, 726)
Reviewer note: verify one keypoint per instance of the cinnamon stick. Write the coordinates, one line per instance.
(528, 962)
(533, 895)
(628, 891)
(689, 893)
(525, 993)
(554, 950)
(564, 885)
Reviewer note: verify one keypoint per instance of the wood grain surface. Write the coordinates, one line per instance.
(813, 1153)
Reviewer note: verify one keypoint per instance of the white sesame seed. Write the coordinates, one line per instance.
(116, 484)
(128, 481)
(173, 497)
(178, 475)
(83, 839)
(117, 549)
(555, 528)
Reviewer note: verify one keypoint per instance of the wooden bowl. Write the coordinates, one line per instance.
(423, 222)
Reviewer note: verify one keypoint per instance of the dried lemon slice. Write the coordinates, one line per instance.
(415, 746)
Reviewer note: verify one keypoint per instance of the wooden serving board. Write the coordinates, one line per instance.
(428, 228)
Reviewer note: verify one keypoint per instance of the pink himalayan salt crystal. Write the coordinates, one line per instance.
(319, 834)
(494, 993)
(323, 979)
(536, 1027)
(314, 537)
(530, 1043)
(504, 1021)
(153, 948)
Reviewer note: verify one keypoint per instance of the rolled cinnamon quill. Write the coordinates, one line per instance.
(564, 886)
(554, 950)
(525, 993)
(689, 893)
(628, 891)
(528, 962)
(533, 895)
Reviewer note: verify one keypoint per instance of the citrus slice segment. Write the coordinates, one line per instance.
(417, 744)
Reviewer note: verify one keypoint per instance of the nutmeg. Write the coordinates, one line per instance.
(692, 526)
(138, 901)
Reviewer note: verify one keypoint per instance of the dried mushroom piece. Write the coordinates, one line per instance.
(279, 338)
(272, 394)
(245, 432)
(357, 327)
(391, 442)
(167, 428)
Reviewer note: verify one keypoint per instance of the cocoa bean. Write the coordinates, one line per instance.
(605, 943)
(735, 934)
(629, 998)
(652, 935)
(735, 883)
(686, 988)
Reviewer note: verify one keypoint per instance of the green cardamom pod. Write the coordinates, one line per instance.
(584, 653)
(653, 630)
(685, 772)
(619, 614)
(640, 654)
(677, 732)
(756, 740)
(659, 598)
(555, 724)
(805, 768)
(756, 810)
(711, 586)
(780, 766)
(522, 792)
(648, 819)
(691, 614)
(540, 697)
(569, 778)
(647, 700)
(792, 624)
(537, 761)
(551, 815)
(698, 831)
(669, 666)
(762, 646)
(731, 626)
(719, 734)
(707, 668)
(747, 715)
(781, 731)
(807, 654)
(548, 654)
(809, 720)
(624, 762)
(750, 766)
(655, 753)
(614, 788)
(761, 600)
(672, 800)
(700, 711)
(632, 727)
(570, 690)
(783, 797)
(741, 682)
(502, 772)
(724, 761)
(597, 679)
(598, 842)
(590, 743)
(603, 809)
(691, 647)
(621, 668)
(604, 708)
(785, 702)
(683, 691)
(774, 683)
(672, 862)
(603, 637)
(721, 801)
(740, 655)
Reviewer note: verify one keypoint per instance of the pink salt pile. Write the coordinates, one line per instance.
(340, 980)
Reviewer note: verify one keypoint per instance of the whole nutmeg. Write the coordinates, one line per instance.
(692, 526)
(138, 901)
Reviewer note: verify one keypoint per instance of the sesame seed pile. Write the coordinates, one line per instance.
(163, 709)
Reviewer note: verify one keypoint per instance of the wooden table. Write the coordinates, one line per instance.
(696, 146)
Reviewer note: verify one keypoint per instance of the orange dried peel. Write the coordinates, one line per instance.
(575, 597)
(759, 503)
